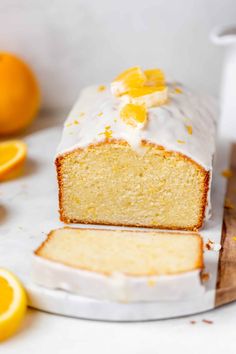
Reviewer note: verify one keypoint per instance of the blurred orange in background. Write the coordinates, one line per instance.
(19, 94)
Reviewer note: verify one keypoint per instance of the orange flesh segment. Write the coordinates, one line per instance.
(6, 295)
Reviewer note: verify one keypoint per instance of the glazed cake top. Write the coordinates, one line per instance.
(186, 123)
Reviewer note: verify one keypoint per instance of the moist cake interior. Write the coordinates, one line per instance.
(110, 183)
(133, 253)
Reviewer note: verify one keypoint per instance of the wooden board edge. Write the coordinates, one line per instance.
(226, 279)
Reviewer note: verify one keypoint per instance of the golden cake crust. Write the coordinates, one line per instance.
(206, 174)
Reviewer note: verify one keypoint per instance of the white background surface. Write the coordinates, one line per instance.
(48, 334)
(73, 43)
(44, 333)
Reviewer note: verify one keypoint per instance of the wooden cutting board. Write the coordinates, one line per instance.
(226, 281)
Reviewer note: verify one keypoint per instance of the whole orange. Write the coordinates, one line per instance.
(19, 94)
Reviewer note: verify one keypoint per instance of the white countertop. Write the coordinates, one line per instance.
(46, 333)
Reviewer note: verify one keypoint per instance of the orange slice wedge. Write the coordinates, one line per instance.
(134, 115)
(12, 158)
(13, 303)
(130, 78)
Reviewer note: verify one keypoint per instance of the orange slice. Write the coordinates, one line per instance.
(134, 115)
(12, 158)
(148, 96)
(131, 78)
(13, 304)
(154, 77)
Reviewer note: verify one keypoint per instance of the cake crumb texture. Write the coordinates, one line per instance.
(110, 183)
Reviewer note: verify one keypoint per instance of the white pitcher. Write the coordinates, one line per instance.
(226, 36)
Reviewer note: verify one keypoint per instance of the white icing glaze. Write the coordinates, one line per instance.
(117, 287)
(166, 124)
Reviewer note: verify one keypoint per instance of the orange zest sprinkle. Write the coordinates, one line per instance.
(189, 129)
(100, 114)
(178, 90)
(76, 122)
(180, 141)
(234, 238)
(108, 132)
(227, 173)
(151, 282)
(101, 88)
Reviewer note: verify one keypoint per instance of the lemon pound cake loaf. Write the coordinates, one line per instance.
(121, 265)
(137, 152)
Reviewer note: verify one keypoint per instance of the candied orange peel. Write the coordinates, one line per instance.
(149, 96)
(134, 115)
(154, 77)
(130, 78)
(135, 86)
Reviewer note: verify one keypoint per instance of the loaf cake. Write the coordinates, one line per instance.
(137, 152)
(121, 265)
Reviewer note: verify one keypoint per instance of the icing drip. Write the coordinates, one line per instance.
(95, 117)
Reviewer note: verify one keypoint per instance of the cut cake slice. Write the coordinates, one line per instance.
(121, 265)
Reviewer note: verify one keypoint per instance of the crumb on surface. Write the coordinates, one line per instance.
(212, 246)
(228, 204)
(205, 277)
(209, 244)
(227, 173)
(207, 321)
